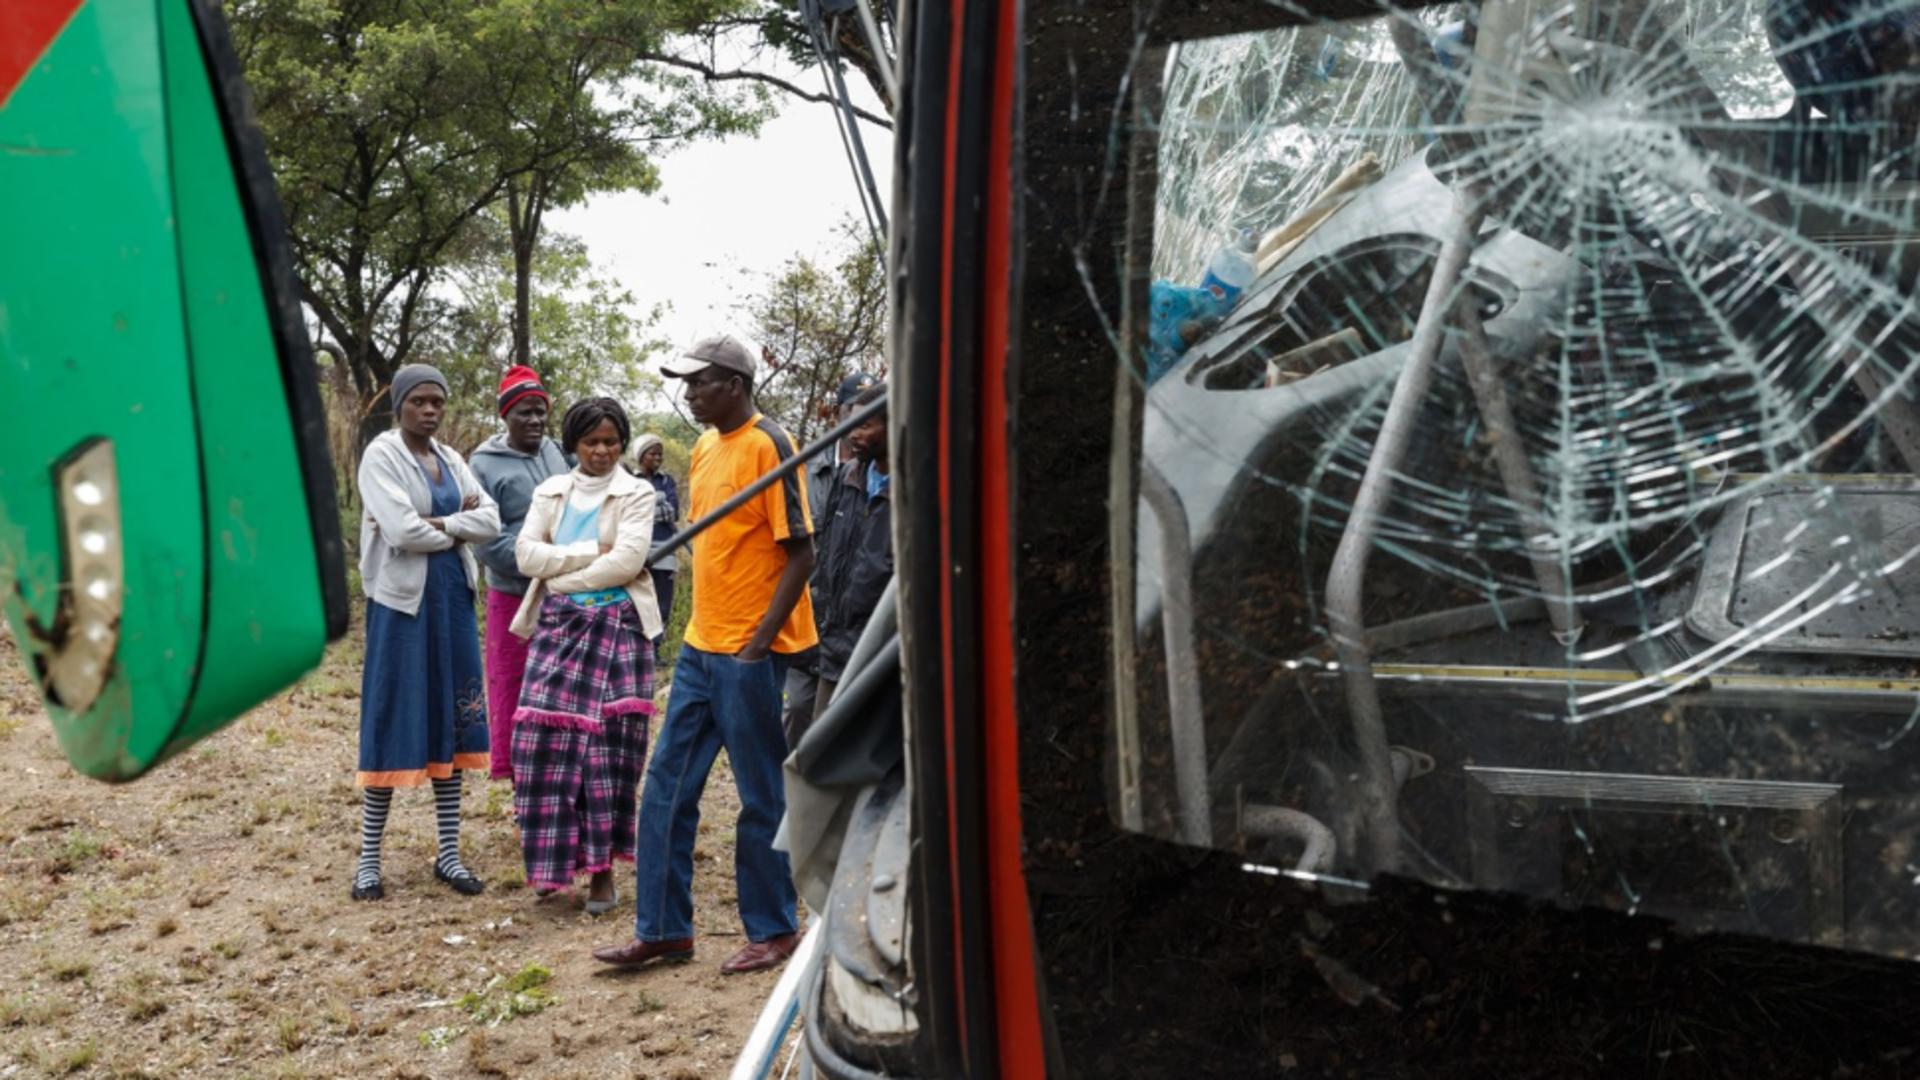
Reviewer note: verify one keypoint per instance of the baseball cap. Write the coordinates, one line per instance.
(721, 351)
(850, 388)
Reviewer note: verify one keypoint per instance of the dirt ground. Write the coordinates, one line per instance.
(196, 923)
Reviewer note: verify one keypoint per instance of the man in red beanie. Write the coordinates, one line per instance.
(509, 466)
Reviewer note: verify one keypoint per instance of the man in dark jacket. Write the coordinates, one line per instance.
(803, 678)
(856, 557)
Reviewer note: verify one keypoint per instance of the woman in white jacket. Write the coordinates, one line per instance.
(423, 708)
(580, 732)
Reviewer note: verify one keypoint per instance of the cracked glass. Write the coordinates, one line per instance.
(1521, 490)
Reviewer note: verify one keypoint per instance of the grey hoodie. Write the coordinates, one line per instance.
(510, 477)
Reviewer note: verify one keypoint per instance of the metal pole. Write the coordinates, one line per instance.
(1188, 721)
(1491, 96)
(844, 118)
(1516, 473)
(745, 495)
(1345, 609)
(871, 29)
(857, 145)
(783, 1007)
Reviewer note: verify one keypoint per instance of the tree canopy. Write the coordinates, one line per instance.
(819, 321)
(396, 127)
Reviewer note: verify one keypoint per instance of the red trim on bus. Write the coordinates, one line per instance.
(945, 443)
(27, 30)
(1016, 997)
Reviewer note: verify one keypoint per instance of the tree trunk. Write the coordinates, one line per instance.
(523, 228)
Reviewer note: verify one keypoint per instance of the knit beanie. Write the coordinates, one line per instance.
(521, 381)
(409, 378)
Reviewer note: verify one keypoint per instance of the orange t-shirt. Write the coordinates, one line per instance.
(737, 562)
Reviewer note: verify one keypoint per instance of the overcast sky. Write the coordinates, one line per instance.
(729, 213)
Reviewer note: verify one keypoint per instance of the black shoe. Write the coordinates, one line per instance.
(464, 882)
(375, 891)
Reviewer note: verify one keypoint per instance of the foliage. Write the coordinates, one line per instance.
(503, 998)
(507, 998)
(777, 36)
(586, 339)
(677, 620)
(818, 323)
(600, 111)
(395, 127)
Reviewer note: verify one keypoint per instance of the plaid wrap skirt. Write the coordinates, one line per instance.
(580, 739)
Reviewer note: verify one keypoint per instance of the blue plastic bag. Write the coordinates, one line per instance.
(1178, 316)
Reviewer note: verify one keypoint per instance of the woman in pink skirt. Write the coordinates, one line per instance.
(509, 466)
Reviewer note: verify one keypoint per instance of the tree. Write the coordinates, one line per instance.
(595, 110)
(763, 36)
(584, 338)
(365, 109)
(818, 323)
(394, 126)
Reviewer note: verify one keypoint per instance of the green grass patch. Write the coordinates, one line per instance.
(499, 805)
(290, 1032)
(32, 1011)
(23, 901)
(79, 847)
(504, 998)
(78, 1058)
(508, 997)
(69, 968)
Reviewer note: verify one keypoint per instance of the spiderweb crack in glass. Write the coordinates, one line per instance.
(1689, 304)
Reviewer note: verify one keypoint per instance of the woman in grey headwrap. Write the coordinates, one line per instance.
(649, 452)
(423, 707)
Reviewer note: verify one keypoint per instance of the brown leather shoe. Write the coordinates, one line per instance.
(636, 952)
(761, 955)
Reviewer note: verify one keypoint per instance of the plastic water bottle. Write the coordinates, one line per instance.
(1232, 269)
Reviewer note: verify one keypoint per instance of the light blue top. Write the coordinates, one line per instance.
(574, 527)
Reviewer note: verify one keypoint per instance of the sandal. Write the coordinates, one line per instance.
(601, 907)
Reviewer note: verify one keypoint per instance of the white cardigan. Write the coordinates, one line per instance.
(626, 524)
(395, 538)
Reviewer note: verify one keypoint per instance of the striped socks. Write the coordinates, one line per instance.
(373, 825)
(375, 805)
(446, 809)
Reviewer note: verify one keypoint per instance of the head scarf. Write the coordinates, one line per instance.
(642, 444)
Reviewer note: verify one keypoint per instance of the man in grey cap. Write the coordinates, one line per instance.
(751, 614)
(803, 678)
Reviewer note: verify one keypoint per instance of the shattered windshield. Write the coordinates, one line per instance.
(1521, 493)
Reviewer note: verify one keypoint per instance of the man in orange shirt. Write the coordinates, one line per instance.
(750, 613)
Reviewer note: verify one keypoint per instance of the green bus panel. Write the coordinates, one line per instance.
(145, 304)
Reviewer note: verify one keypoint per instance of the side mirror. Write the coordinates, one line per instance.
(170, 548)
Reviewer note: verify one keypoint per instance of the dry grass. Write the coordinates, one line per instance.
(196, 923)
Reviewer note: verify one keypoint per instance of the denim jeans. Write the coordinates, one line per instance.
(716, 701)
